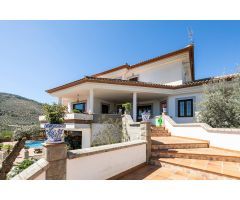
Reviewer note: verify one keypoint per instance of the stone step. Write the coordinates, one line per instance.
(160, 134)
(206, 169)
(179, 146)
(176, 142)
(158, 128)
(198, 153)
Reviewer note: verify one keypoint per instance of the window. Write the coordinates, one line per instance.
(80, 107)
(133, 79)
(185, 108)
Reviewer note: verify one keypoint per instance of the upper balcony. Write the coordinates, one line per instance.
(76, 118)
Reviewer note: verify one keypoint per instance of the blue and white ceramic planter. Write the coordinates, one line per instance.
(54, 132)
(145, 117)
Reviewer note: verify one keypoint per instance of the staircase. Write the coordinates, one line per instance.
(193, 156)
(159, 132)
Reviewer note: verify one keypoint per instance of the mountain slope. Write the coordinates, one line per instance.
(17, 110)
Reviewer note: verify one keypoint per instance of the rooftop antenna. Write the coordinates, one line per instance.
(190, 35)
(237, 68)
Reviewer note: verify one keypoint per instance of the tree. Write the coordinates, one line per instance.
(28, 132)
(220, 107)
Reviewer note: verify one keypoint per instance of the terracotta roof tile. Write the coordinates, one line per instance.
(189, 49)
(141, 84)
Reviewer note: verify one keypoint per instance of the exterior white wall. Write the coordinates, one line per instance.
(166, 74)
(167, 71)
(41, 176)
(132, 128)
(218, 137)
(106, 164)
(116, 74)
(173, 107)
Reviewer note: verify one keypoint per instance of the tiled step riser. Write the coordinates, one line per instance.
(195, 156)
(193, 172)
(158, 128)
(157, 131)
(160, 135)
(178, 146)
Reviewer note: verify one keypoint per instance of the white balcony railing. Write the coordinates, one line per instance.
(71, 116)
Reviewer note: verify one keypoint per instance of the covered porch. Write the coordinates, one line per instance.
(101, 98)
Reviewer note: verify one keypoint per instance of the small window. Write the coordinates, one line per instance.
(81, 107)
(185, 108)
(133, 79)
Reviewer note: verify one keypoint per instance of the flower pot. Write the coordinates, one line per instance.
(54, 132)
(145, 117)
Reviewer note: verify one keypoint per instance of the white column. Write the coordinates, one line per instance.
(59, 100)
(69, 106)
(135, 106)
(91, 102)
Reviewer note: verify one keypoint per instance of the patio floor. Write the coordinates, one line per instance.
(151, 172)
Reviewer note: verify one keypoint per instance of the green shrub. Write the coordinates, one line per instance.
(6, 134)
(127, 107)
(54, 113)
(20, 167)
(76, 111)
(1, 146)
(7, 147)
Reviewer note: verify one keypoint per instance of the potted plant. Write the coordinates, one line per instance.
(127, 107)
(55, 127)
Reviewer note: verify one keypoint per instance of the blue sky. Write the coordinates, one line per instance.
(39, 55)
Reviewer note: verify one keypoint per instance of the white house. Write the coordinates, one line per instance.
(166, 82)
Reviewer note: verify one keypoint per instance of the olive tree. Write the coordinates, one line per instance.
(220, 107)
(28, 132)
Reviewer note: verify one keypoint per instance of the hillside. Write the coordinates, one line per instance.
(17, 110)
